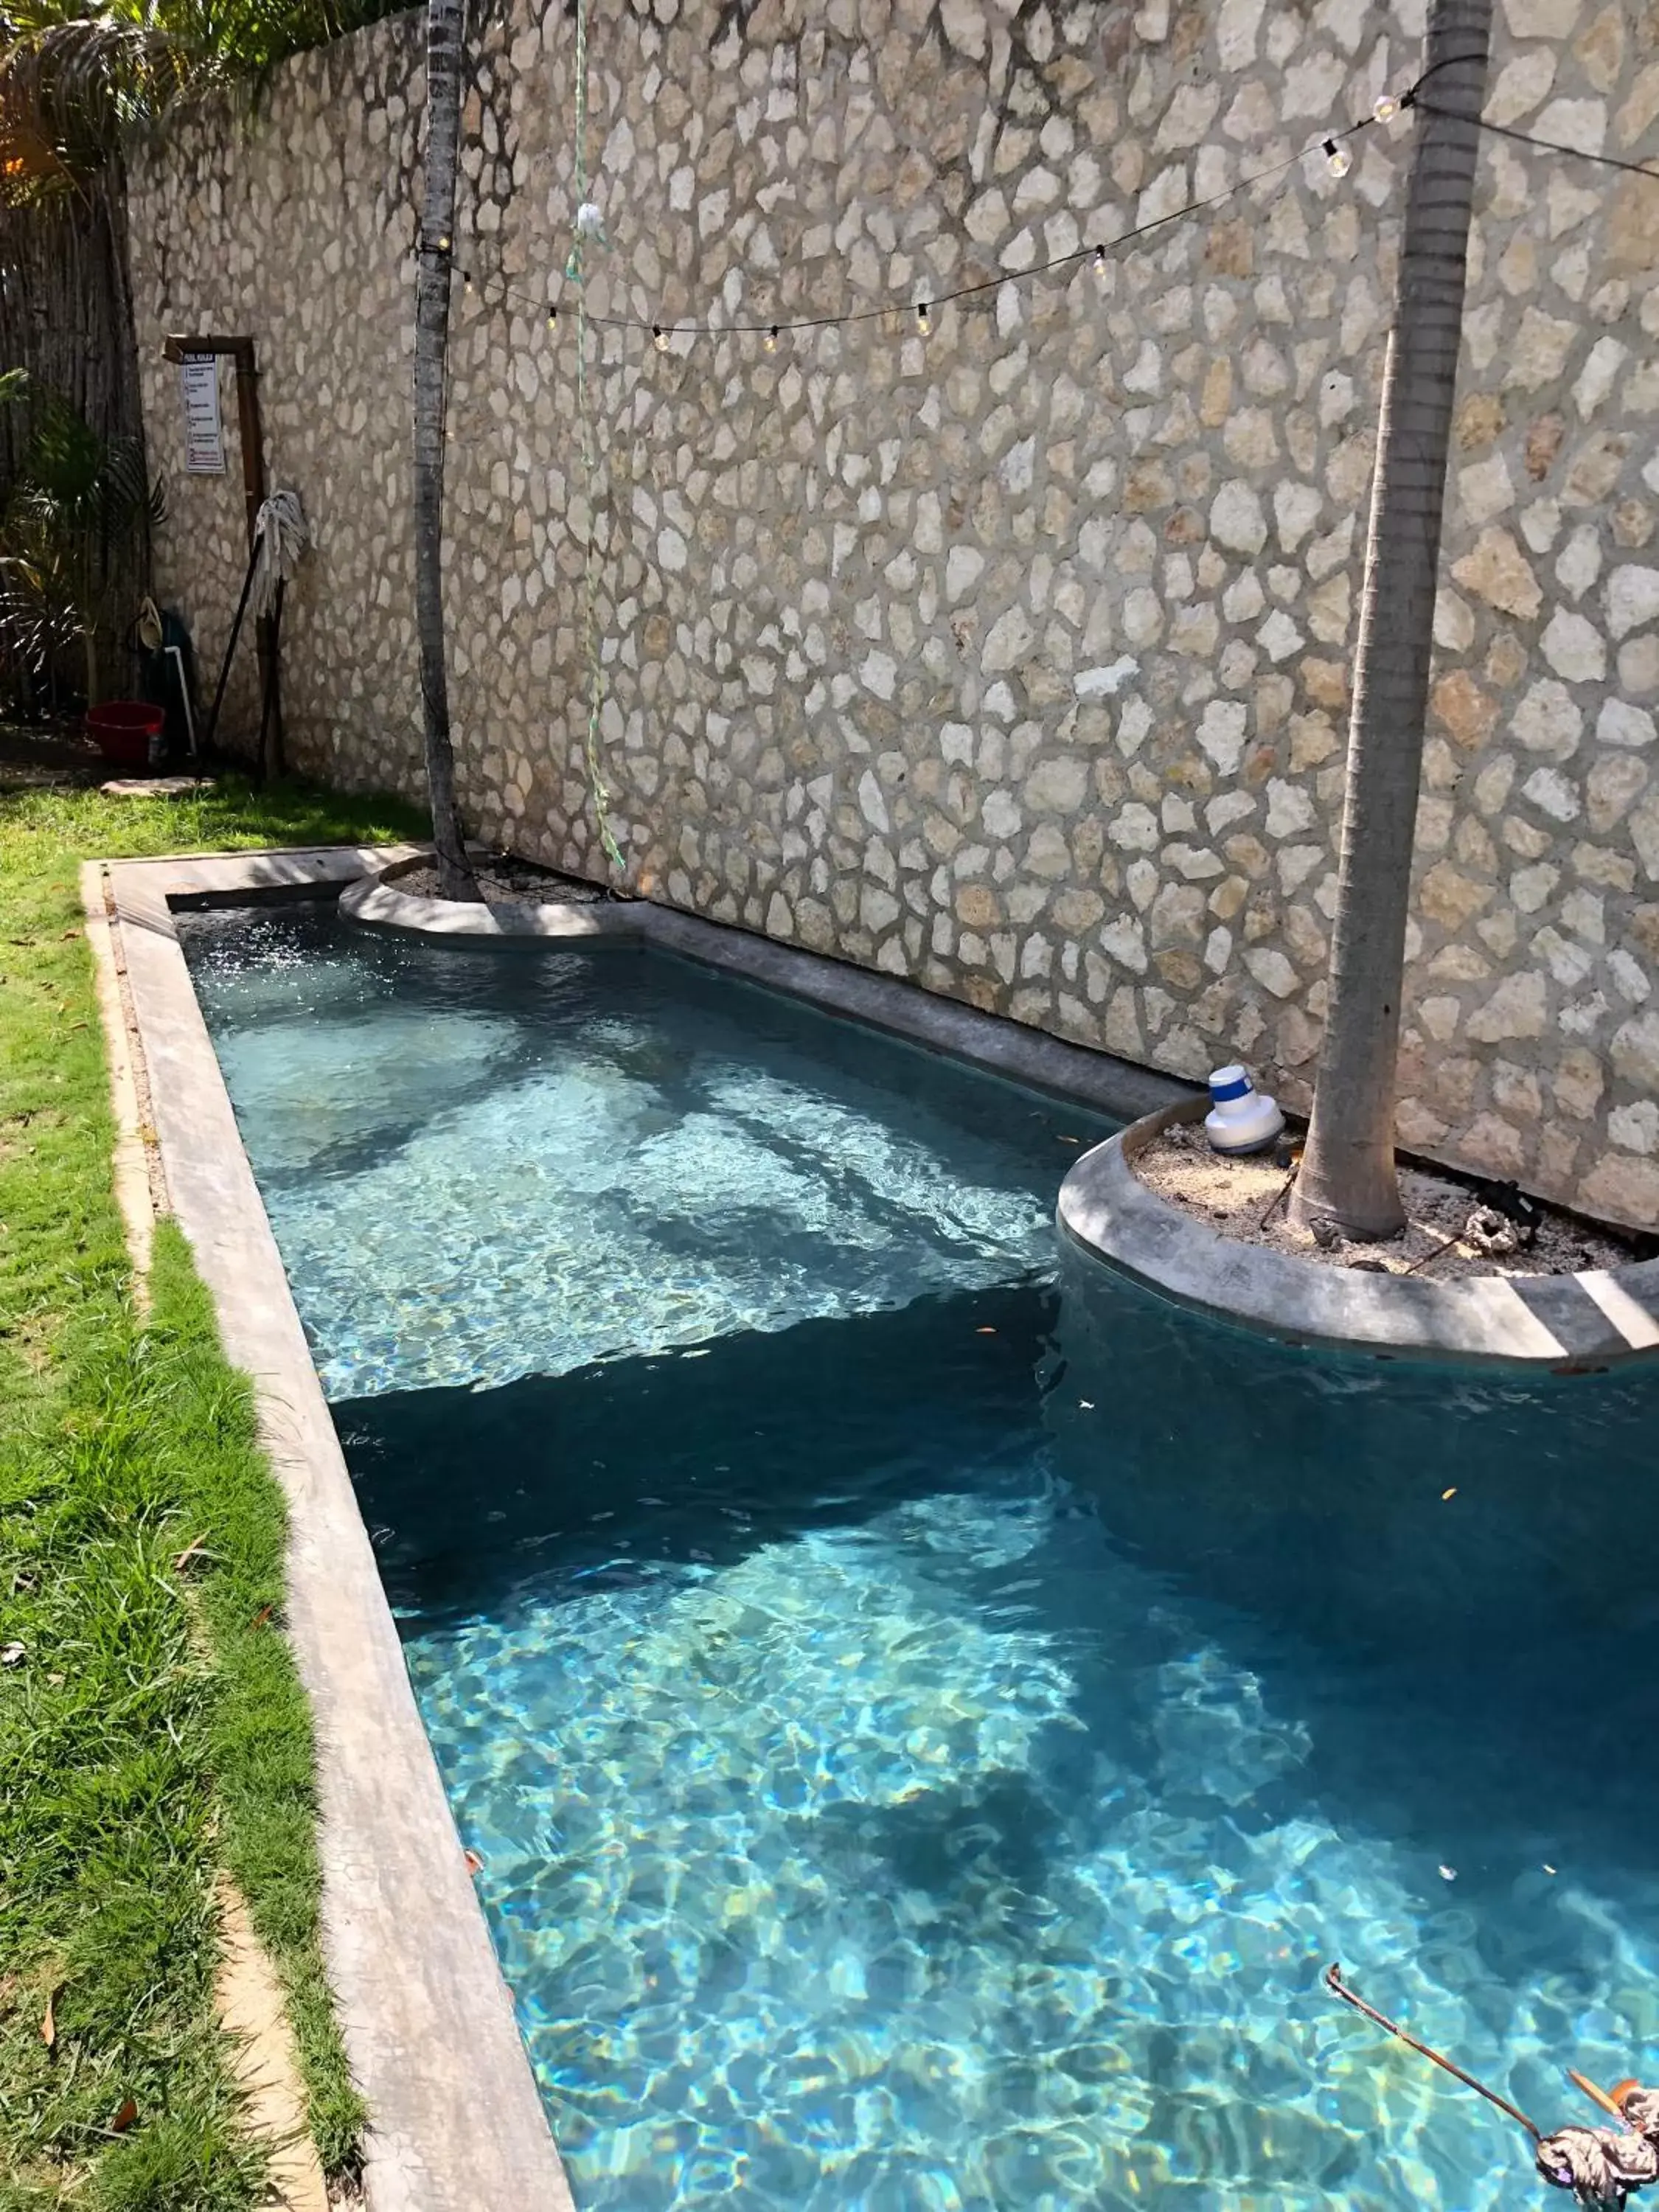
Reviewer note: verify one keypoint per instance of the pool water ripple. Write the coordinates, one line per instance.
(927, 1714)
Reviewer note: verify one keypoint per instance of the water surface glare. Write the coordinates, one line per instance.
(928, 1714)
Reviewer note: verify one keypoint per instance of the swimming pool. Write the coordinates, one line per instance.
(927, 1713)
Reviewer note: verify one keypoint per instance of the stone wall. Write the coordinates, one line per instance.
(1013, 657)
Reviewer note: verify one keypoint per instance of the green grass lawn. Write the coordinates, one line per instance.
(153, 1732)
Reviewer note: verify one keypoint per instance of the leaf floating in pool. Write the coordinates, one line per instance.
(986, 1331)
(1448, 1874)
(474, 1863)
(1445, 1494)
(1548, 1868)
(1086, 1405)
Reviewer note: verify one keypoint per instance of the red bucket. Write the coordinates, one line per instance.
(123, 729)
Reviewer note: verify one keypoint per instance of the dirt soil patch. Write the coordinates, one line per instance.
(503, 876)
(55, 753)
(1245, 1201)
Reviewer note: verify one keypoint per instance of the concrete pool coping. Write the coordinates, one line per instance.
(996, 1046)
(1573, 1324)
(456, 2122)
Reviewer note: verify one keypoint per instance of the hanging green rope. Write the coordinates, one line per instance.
(589, 226)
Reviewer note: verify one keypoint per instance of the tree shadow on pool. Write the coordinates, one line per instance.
(699, 1457)
(1435, 1569)
(1469, 1672)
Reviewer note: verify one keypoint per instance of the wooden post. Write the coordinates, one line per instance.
(251, 436)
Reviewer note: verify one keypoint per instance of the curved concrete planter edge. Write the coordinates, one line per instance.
(376, 900)
(1573, 1324)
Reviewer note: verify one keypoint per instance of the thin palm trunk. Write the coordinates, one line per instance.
(443, 123)
(1347, 1174)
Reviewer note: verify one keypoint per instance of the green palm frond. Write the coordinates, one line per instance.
(77, 78)
(40, 619)
(77, 501)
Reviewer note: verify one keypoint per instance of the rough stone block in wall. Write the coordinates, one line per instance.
(1014, 657)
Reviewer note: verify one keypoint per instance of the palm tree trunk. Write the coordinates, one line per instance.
(1348, 1175)
(443, 124)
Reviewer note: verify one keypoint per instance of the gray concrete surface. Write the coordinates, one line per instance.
(457, 2122)
(1582, 1322)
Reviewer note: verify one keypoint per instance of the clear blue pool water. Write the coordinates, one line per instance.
(928, 1714)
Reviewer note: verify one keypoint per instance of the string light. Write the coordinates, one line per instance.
(1338, 158)
(1100, 256)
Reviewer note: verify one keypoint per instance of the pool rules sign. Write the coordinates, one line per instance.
(204, 435)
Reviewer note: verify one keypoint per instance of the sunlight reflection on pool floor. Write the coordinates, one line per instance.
(928, 1716)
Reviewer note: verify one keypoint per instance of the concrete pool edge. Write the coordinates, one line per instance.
(429, 2027)
(892, 1004)
(1567, 1323)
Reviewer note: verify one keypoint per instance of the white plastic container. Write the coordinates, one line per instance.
(1240, 1119)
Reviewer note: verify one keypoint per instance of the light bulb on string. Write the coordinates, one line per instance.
(1386, 108)
(552, 318)
(1100, 261)
(660, 338)
(466, 282)
(1338, 160)
(443, 243)
(924, 318)
(770, 340)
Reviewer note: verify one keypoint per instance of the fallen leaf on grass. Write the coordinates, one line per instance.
(262, 1616)
(190, 1551)
(124, 2118)
(49, 2023)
